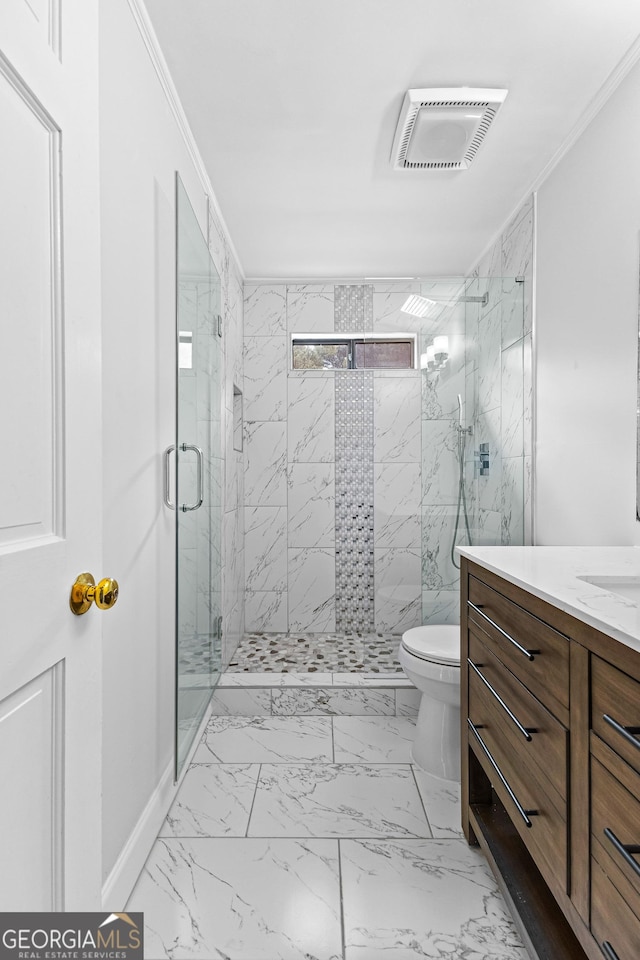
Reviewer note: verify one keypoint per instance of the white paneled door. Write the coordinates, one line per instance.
(50, 455)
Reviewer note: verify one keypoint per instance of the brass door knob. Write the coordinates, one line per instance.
(85, 591)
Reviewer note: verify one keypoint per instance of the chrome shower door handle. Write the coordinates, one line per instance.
(186, 507)
(167, 478)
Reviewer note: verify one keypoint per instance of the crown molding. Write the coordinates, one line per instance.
(148, 34)
(589, 114)
(607, 89)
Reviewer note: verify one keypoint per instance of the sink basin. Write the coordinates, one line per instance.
(627, 587)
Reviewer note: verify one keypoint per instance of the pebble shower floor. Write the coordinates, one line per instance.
(316, 652)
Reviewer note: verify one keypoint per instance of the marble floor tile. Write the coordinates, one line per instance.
(266, 739)
(276, 680)
(371, 680)
(313, 680)
(232, 899)
(408, 702)
(238, 702)
(414, 898)
(328, 701)
(214, 800)
(441, 800)
(337, 800)
(373, 739)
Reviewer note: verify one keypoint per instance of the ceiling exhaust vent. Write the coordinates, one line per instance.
(442, 128)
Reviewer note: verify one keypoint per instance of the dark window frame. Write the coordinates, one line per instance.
(350, 342)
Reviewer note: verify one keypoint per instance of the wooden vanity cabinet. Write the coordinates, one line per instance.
(551, 768)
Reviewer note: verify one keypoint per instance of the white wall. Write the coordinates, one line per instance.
(141, 148)
(587, 332)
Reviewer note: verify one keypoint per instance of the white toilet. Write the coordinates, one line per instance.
(430, 657)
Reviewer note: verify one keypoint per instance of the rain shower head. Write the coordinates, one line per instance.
(417, 306)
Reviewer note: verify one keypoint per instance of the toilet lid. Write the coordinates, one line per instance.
(438, 643)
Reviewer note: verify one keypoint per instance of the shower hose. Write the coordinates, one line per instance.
(462, 497)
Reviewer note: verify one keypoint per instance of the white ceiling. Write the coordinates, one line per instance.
(294, 104)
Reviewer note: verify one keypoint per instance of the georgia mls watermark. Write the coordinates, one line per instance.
(71, 936)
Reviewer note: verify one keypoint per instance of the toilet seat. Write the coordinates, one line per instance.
(439, 643)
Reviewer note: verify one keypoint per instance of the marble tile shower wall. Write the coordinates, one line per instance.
(290, 446)
(499, 386)
(290, 467)
(440, 477)
(233, 608)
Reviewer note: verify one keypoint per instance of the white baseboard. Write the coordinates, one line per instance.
(127, 868)
(133, 855)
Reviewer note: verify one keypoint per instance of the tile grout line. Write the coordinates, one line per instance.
(426, 815)
(255, 794)
(341, 888)
(379, 837)
(317, 761)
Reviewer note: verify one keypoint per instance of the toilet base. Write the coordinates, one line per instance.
(436, 747)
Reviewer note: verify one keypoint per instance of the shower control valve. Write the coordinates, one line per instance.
(483, 457)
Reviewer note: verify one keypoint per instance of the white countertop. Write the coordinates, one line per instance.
(551, 573)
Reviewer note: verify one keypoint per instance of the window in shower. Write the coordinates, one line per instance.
(325, 355)
(383, 354)
(354, 352)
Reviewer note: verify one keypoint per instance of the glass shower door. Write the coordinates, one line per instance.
(198, 472)
(474, 358)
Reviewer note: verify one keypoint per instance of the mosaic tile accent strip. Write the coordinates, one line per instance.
(353, 313)
(316, 653)
(354, 501)
(353, 308)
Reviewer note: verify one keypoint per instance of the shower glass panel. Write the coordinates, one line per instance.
(198, 472)
(472, 367)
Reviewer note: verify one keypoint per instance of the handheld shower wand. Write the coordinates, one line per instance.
(462, 429)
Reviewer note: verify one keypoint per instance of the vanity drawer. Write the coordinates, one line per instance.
(612, 920)
(529, 727)
(536, 653)
(536, 809)
(616, 695)
(615, 808)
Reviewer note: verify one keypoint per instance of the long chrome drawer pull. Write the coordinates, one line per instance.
(186, 507)
(529, 654)
(166, 496)
(523, 730)
(624, 849)
(626, 732)
(525, 814)
(608, 951)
